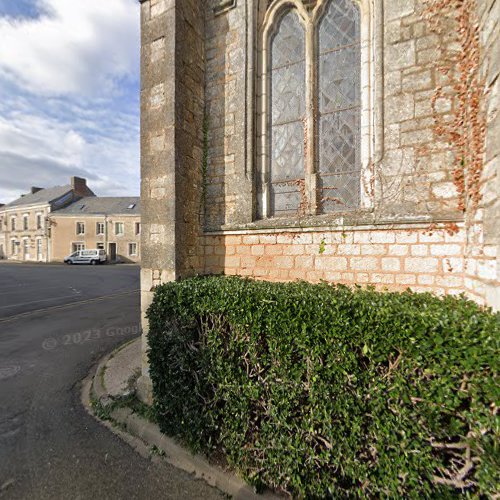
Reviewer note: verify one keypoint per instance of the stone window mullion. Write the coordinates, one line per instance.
(264, 131)
(310, 134)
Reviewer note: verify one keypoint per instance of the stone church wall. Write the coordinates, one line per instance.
(201, 115)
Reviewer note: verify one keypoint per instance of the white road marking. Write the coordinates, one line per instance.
(23, 290)
(65, 306)
(9, 306)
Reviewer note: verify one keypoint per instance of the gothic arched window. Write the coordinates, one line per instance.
(310, 159)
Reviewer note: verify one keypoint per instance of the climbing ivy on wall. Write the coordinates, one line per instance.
(204, 166)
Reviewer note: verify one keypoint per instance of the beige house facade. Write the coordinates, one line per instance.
(25, 229)
(112, 224)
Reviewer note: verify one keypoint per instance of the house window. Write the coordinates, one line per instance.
(99, 228)
(132, 249)
(76, 247)
(137, 228)
(119, 229)
(13, 247)
(80, 228)
(13, 223)
(100, 246)
(39, 221)
(39, 249)
(311, 131)
(25, 222)
(26, 248)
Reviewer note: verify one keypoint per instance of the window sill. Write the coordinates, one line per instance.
(361, 219)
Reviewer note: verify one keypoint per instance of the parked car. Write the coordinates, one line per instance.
(86, 257)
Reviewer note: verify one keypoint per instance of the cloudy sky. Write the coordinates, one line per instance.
(69, 103)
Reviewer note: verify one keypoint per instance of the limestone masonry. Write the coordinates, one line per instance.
(293, 139)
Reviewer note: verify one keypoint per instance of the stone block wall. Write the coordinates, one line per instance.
(415, 174)
(229, 54)
(189, 112)
(157, 143)
(392, 258)
(172, 103)
(200, 114)
(415, 234)
(411, 168)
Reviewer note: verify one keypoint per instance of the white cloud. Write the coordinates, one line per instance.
(39, 151)
(69, 97)
(75, 46)
(34, 137)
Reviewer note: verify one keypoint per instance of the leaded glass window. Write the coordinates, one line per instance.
(287, 114)
(339, 106)
(311, 151)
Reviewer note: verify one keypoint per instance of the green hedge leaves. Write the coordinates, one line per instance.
(326, 391)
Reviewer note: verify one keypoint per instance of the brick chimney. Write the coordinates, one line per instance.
(79, 186)
(35, 189)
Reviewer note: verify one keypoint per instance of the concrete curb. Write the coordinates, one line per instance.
(98, 388)
(143, 435)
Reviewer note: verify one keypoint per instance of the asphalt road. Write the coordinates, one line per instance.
(27, 288)
(56, 322)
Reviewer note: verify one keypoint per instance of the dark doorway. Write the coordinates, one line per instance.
(112, 252)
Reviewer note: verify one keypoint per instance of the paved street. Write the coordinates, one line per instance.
(56, 322)
(29, 287)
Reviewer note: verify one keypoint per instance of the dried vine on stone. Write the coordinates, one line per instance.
(460, 63)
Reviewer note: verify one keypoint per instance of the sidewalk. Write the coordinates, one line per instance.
(30, 262)
(122, 369)
(109, 395)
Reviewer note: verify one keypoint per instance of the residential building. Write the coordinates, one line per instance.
(24, 223)
(110, 223)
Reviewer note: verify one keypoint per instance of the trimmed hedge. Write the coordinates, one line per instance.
(325, 391)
